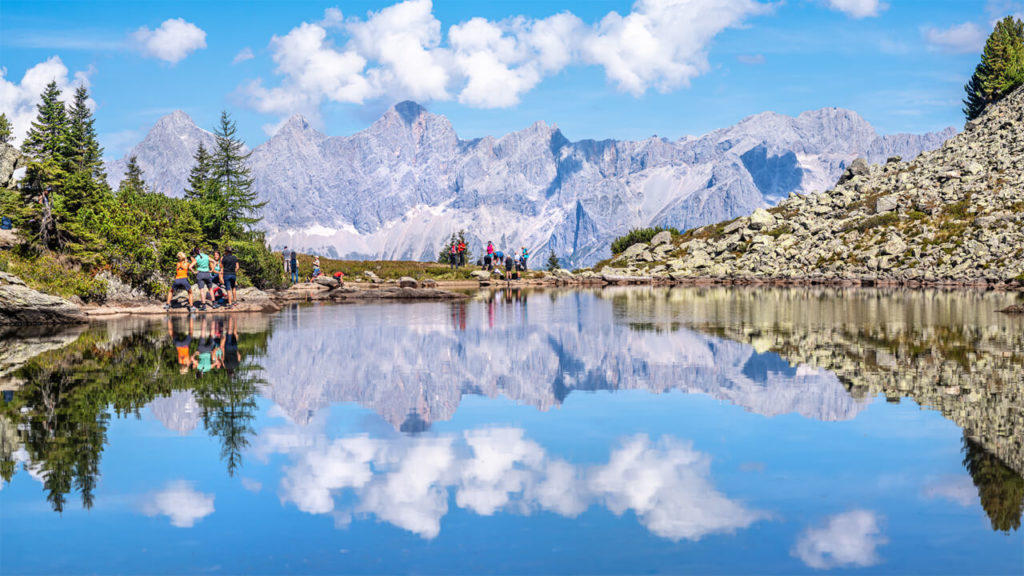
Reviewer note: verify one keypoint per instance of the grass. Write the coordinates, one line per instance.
(873, 222)
(391, 269)
(54, 274)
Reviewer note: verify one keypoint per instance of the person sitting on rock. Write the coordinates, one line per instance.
(316, 267)
(181, 271)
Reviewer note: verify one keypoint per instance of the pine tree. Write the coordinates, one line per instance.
(83, 145)
(200, 175)
(47, 138)
(1001, 68)
(133, 177)
(553, 263)
(6, 129)
(233, 180)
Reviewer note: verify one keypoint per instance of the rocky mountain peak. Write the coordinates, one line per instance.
(408, 111)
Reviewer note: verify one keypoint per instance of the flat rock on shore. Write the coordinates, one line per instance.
(21, 305)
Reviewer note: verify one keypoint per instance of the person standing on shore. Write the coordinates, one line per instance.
(294, 264)
(453, 256)
(523, 257)
(203, 276)
(284, 261)
(462, 253)
(181, 270)
(229, 271)
(489, 259)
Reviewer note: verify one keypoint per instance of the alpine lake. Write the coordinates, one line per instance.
(697, 430)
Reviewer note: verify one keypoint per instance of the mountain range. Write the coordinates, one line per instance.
(401, 187)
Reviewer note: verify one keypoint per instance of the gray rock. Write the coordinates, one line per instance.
(761, 219)
(663, 237)
(407, 282)
(886, 204)
(327, 281)
(10, 160)
(20, 304)
(633, 251)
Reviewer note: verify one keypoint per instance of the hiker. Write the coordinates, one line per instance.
(453, 257)
(284, 258)
(523, 257)
(181, 344)
(316, 266)
(489, 258)
(510, 266)
(462, 253)
(294, 264)
(204, 278)
(216, 268)
(229, 270)
(181, 270)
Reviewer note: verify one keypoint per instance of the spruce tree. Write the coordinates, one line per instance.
(1000, 70)
(47, 138)
(6, 129)
(83, 145)
(199, 176)
(553, 263)
(233, 180)
(133, 177)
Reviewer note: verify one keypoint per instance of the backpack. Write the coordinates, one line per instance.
(5, 223)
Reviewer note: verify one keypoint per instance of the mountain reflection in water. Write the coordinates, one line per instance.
(822, 354)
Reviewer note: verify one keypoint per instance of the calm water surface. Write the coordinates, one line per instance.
(613, 431)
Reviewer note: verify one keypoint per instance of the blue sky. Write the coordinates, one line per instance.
(596, 68)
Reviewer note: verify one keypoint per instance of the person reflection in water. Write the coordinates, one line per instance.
(229, 348)
(182, 342)
(207, 355)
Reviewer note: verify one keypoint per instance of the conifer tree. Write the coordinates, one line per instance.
(84, 147)
(553, 263)
(6, 129)
(133, 177)
(47, 138)
(1001, 68)
(233, 180)
(199, 176)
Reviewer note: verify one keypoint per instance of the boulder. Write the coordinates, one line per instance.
(9, 239)
(663, 237)
(481, 275)
(371, 276)
(407, 282)
(20, 304)
(761, 219)
(858, 167)
(894, 246)
(633, 251)
(429, 283)
(10, 160)
(119, 292)
(327, 281)
(886, 204)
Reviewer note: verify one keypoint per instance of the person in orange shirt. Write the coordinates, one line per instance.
(181, 270)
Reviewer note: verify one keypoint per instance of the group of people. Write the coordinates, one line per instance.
(457, 255)
(290, 259)
(216, 277)
(216, 346)
(512, 262)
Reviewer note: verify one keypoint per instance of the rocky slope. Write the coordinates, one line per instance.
(399, 188)
(952, 215)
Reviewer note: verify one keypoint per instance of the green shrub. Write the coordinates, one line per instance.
(636, 236)
(873, 222)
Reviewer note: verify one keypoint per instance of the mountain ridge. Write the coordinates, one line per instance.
(400, 187)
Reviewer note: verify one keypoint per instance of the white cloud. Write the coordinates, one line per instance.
(668, 487)
(847, 539)
(243, 55)
(858, 8)
(401, 52)
(751, 58)
(407, 481)
(961, 38)
(252, 485)
(959, 489)
(180, 502)
(662, 43)
(172, 41)
(19, 100)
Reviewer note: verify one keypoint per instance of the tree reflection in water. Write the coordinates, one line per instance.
(62, 410)
(1001, 489)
